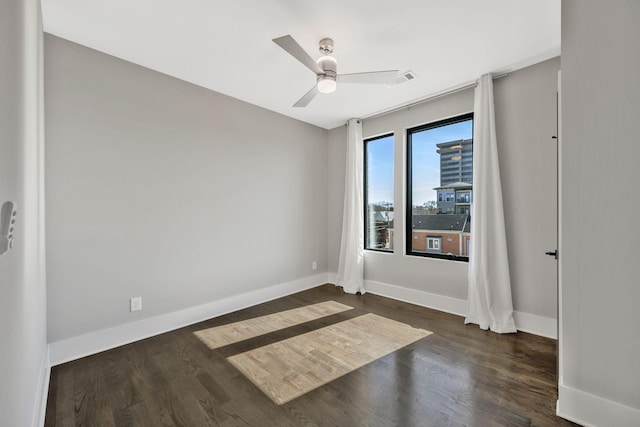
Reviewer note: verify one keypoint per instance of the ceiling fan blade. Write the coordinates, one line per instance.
(306, 99)
(374, 77)
(294, 49)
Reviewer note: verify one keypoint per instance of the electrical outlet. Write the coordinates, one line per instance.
(314, 265)
(135, 304)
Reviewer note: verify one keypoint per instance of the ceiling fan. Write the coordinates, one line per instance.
(325, 69)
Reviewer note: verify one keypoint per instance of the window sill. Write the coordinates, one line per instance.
(442, 257)
(379, 251)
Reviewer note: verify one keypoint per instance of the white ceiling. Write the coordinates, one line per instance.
(226, 45)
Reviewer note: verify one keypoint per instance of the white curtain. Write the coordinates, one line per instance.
(351, 266)
(489, 302)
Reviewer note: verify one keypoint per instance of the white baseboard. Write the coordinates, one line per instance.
(332, 278)
(421, 298)
(43, 391)
(531, 323)
(538, 325)
(94, 342)
(594, 411)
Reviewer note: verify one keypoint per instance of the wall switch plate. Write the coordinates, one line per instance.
(314, 265)
(135, 304)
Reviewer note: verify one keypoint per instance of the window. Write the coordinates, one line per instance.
(440, 173)
(378, 193)
(433, 244)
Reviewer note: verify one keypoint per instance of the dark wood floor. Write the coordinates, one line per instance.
(458, 376)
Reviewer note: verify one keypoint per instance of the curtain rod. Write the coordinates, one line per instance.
(450, 91)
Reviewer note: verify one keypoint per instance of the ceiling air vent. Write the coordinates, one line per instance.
(405, 77)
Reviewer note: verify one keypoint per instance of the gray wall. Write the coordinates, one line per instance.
(526, 120)
(165, 190)
(600, 336)
(336, 164)
(23, 343)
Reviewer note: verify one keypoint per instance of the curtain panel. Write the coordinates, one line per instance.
(351, 263)
(489, 302)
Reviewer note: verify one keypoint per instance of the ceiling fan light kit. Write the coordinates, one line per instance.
(326, 69)
(327, 84)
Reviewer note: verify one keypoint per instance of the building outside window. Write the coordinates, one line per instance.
(440, 175)
(378, 193)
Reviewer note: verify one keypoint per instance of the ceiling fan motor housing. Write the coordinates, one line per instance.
(327, 80)
(328, 65)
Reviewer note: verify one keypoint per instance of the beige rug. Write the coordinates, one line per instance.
(220, 336)
(290, 368)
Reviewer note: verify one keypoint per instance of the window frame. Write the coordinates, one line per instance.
(365, 192)
(409, 186)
